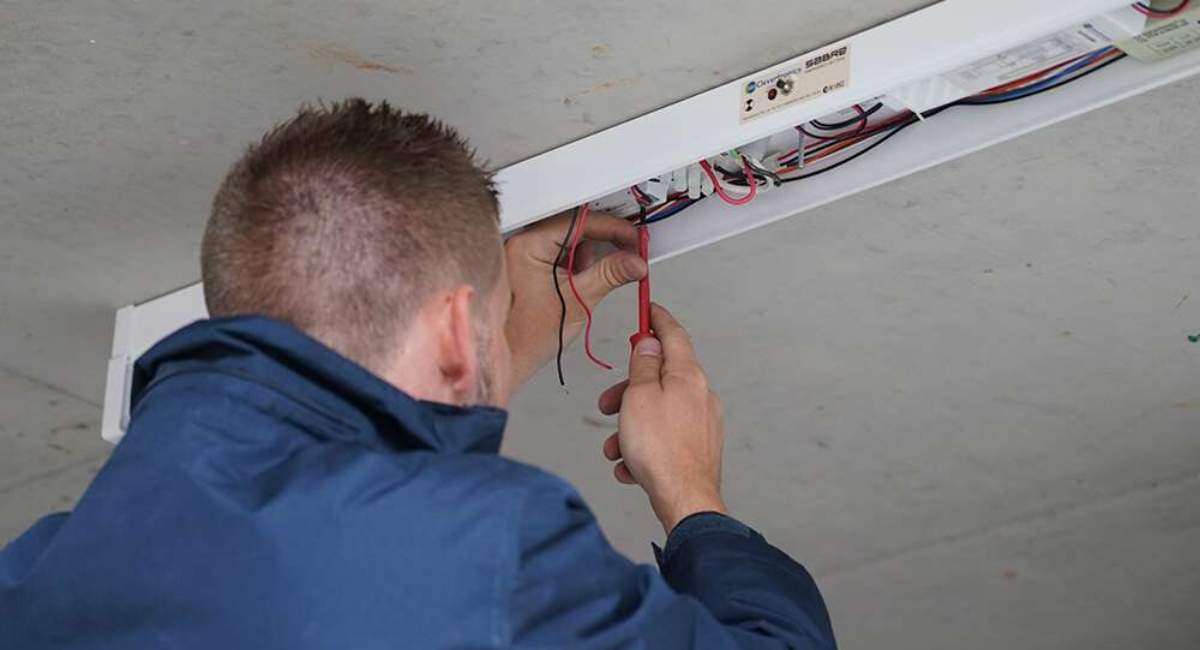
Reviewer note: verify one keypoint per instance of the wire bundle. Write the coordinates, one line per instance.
(574, 235)
(1005, 94)
(862, 136)
(859, 121)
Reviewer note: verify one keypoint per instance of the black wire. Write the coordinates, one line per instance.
(849, 122)
(834, 141)
(813, 135)
(670, 212)
(866, 133)
(766, 175)
(562, 301)
(898, 128)
(1004, 100)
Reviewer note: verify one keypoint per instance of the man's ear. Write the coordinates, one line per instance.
(458, 360)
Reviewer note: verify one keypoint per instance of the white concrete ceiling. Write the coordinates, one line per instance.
(966, 399)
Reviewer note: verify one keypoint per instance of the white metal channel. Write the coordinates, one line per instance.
(949, 135)
(915, 47)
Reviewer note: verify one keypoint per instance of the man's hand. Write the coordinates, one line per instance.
(670, 435)
(532, 328)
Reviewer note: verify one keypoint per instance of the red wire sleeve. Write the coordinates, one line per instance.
(643, 288)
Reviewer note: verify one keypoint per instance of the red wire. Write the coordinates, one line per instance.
(1018, 83)
(821, 139)
(673, 200)
(639, 195)
(721, 190)
(813, 136)
(587, 331)
(1154, 13)
(862, 126)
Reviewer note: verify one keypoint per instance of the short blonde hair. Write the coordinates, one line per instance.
(344, 219)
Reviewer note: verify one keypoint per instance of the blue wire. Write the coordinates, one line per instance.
(670, 212)
(1045, 83)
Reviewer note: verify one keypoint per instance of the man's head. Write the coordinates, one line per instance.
(376, 233)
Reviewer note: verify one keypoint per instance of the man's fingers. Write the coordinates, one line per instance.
(623, 475)
(612, 447)
(645, 364)
(614, 230)
(547, 233)
(543, 240)
(585, 256)
(610, 399)
(678, 353)
(609, 272)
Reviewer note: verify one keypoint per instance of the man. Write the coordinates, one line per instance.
(316, 466)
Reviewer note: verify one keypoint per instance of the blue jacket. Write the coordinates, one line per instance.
(271, 494)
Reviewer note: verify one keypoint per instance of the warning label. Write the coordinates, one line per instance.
(815, 74)
(1165, 39)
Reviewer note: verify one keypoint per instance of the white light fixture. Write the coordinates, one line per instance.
(919, 61)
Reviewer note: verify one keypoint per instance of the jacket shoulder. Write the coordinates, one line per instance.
(533, 483)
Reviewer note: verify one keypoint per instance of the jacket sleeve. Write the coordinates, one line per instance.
(722, 586)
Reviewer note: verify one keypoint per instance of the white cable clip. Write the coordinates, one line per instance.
(695, 181)
(707, 187)
(905, 104)
(656, 189)
(801, 154)
(679, 183)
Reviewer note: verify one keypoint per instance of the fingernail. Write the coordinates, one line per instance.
(634, 267)
(649, 347)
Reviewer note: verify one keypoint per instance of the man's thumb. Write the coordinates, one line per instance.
(609, 272)
(645, 364)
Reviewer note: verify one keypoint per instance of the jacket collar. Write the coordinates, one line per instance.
(280, 357)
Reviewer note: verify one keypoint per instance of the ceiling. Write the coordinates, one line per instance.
(965, 400)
